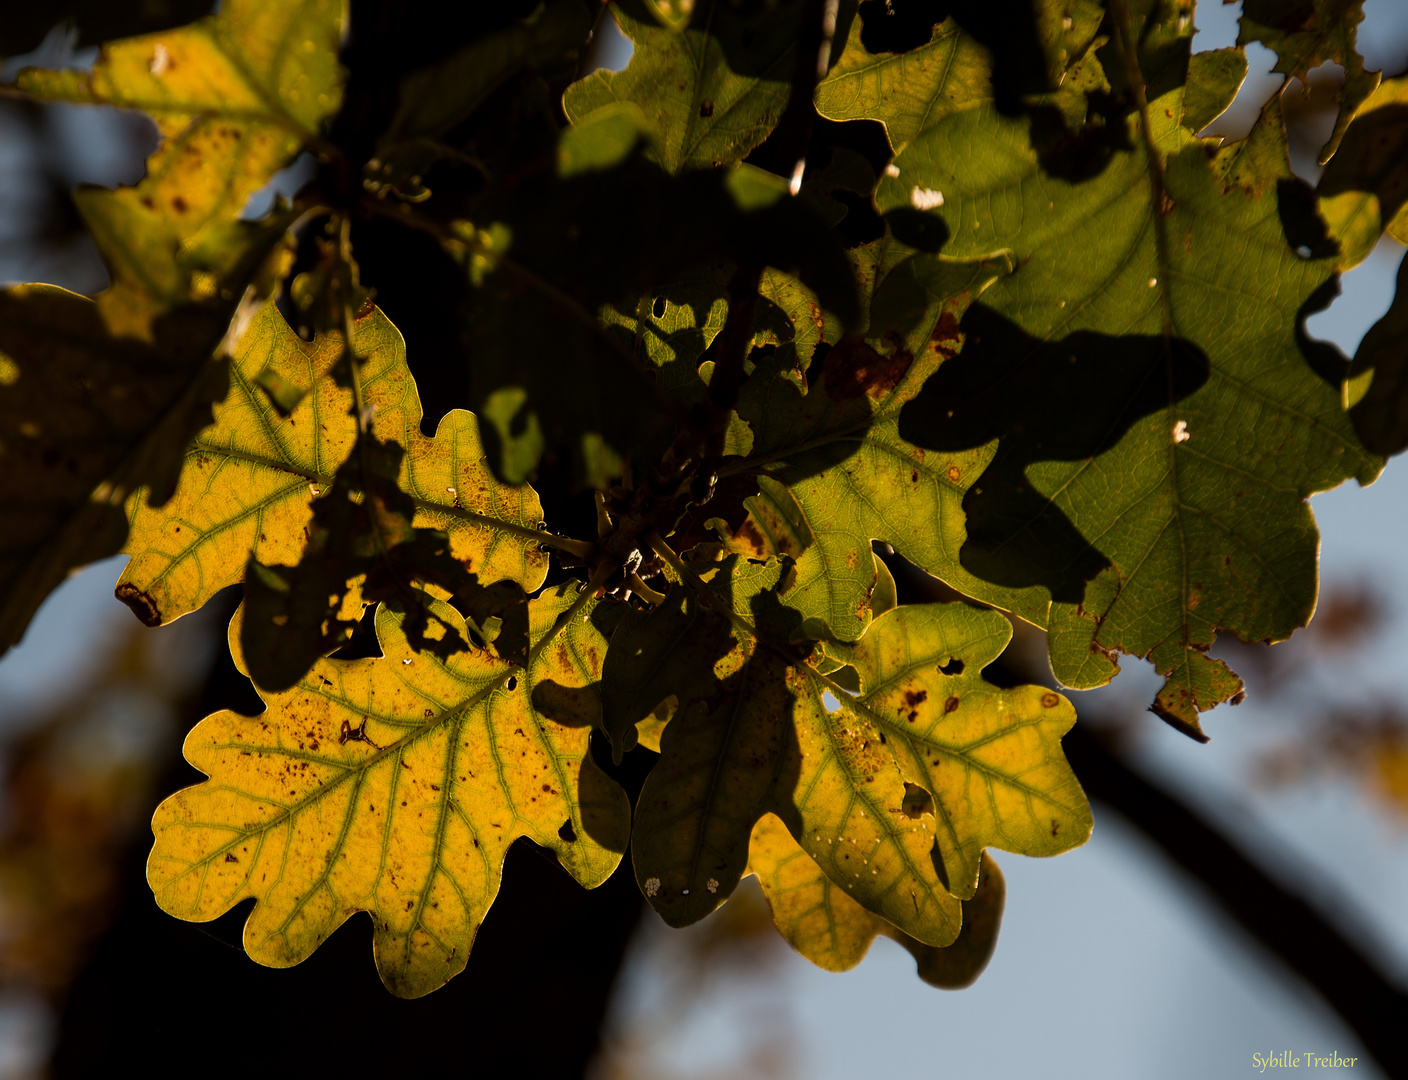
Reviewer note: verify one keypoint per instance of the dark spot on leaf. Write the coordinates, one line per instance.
(230, 858)
(950, 705)
(853, 368)
(179, 205)
(567, 832)
(142, 605)
(1055, 828)
(706, 109)
(1050, 700)
(953, 667)
(946, 340)
(658, 308)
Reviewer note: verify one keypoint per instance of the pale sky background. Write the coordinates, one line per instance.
(1110, 964)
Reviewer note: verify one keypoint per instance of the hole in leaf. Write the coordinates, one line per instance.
(512, 682)
(659, 307)
(829, 701)
(567, 832)
(917, 802)
(953, 667)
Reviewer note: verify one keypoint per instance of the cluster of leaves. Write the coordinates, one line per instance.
(1046, 343)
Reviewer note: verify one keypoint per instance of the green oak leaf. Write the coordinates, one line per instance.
(950, 72)
(834, 471)
(395, 785)
(713, 88)
(1119, 512)
(1214, 77)
(437, 98)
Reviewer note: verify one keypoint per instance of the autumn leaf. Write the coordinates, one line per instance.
(252, 478)
(100, 399)
(395, 785)
(235, 97)
(825, 925)
(777, 736)
(834, 471)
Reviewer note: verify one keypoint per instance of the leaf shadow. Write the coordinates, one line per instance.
(1070, 400)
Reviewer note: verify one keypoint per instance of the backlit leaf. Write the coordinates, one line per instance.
(1132, 505)
(86, 419)
(1214, 77)
(236, 96)
(713, 86)
(1364, 188)
(250, 478)
(395, 786)
(825, 925)
(774, 737)
(1376, 389)
(836, 472)
(1307, 33)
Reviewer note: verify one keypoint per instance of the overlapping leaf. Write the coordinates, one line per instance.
(713, 87)
(1376, 389)
(825, 925)
(663, 237)
(1364, 189)
(235, 96)
(97, 400)
(85, 419)
(767, 740)
(1161, 417)
(835, 471)
(250, 478)
(1305, 34)
(395, 786)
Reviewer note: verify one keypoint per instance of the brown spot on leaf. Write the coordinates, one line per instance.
(706, 110)
(954, 474)
(946, 340)
(950, 705)
(142, 605)
(912, 700)
(230, 858)
(1050, 701)
(853, 368)
(179, 205)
